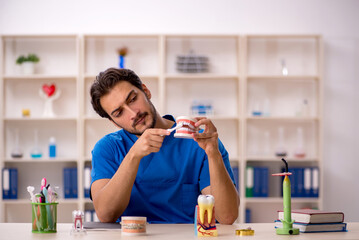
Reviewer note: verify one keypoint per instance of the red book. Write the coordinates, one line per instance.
(314, 216)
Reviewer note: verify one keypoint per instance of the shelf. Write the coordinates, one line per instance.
(30, 119)
(142, 77)
(276, 159)
(40, 77)
(40, 160)
(200, 76)
(284, 119)
(245, 75)
(280, 200)
(283, 78)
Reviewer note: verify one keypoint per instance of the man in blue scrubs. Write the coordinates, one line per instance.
(143, 170)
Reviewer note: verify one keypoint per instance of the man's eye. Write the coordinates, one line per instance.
(118, 113)
(133, 99)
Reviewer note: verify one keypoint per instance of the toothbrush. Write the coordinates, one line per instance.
(31, 189)
(175, 128)
(49, 215)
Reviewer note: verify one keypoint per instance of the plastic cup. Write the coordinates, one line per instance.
(44, 217)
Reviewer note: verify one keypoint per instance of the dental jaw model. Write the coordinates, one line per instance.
(185, 127)
(205, 221)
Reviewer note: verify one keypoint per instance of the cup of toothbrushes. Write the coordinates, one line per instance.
(44, 217)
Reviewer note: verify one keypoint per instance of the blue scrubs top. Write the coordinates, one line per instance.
(167, 183)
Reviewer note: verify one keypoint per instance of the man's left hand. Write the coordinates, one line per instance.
(208, 139)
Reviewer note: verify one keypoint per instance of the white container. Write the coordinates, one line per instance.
(132, 226)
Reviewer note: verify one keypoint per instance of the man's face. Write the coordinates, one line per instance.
(130, 108)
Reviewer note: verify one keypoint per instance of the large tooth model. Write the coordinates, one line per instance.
(205, 222)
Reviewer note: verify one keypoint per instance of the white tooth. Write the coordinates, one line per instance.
(205, 203)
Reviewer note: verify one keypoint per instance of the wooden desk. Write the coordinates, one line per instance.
(14, 231)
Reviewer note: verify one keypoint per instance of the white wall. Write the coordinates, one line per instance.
(336, 20)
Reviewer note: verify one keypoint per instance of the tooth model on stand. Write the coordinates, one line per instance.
(205, 221)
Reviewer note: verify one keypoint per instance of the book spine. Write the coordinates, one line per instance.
(248, 215)
(236, 176)
(74, 185)
(315, 182)
(6, 183)
(67, 183)
(264, 181)
(307, 181)
(13, 183)
(257, 182)
(249, 181)
(87, 181)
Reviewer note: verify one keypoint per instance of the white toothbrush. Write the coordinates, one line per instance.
(175, 128)
(31, 189)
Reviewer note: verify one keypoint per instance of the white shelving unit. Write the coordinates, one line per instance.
(279, 98)
(242, 71)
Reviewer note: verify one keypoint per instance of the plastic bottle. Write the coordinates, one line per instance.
(52, 147)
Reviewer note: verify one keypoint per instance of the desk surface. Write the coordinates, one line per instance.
(13, 231)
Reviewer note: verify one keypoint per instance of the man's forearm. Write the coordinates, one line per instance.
(223, 189)
(112, 199)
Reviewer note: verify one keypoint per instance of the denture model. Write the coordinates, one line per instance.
(185, 127)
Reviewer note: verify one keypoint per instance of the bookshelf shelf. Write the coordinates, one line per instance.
(243, 69)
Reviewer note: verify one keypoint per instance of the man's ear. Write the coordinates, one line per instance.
(146, 91)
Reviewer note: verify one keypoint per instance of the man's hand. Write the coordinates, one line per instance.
(208, 139)
(150, 141)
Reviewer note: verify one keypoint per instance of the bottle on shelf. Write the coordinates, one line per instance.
(36, 150)
(281, 150)
(17, 152)
(300, 151)
(52, 147)
(303, 108)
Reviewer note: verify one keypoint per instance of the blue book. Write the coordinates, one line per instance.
(257, 182)
(67, 182)
(264, 181)
(13, 183)
(6, 183)
(236, 176)
(300, 182)
(74, 187)
(248, 215)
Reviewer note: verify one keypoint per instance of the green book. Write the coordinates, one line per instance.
(249, 181)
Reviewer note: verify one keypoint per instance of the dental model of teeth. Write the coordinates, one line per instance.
(185, 127)
(205, 222)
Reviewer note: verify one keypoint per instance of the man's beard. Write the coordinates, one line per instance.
(153, 112)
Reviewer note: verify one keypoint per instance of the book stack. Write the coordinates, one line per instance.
(311, 220)
(304, 181)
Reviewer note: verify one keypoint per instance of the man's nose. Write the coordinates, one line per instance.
(132, 112)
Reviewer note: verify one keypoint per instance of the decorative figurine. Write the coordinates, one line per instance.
(205, 221)
(122, 52)
(49, 94)
(287, 221)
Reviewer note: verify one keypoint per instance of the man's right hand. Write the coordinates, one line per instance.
(150, 141)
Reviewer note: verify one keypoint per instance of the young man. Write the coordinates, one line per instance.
(142, 170)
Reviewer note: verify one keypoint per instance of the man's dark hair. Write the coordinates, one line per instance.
(106, 81)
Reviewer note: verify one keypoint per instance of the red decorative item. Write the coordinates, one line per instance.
(49, 90)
